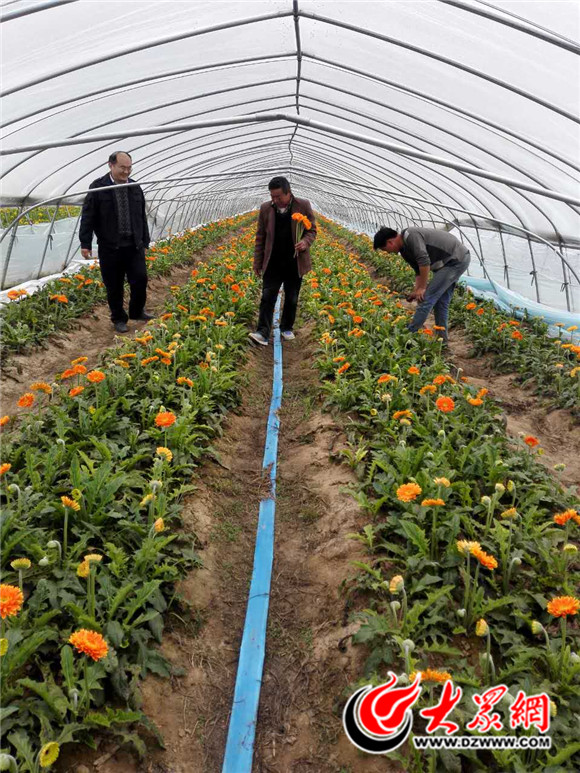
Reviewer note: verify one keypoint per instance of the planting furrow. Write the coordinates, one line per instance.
(550, 366)
(28, 321)
(93, 332)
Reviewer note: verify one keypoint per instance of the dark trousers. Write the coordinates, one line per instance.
(115, 264)
(278, 274)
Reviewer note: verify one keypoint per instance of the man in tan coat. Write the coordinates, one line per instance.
(279, 258)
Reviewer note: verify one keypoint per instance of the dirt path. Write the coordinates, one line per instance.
(91, 335)
(556, 429)
(310, 661)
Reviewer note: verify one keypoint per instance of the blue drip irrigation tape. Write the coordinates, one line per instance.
(242, 730)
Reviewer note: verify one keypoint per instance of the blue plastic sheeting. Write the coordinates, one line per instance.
(242, 729)
(516, 305)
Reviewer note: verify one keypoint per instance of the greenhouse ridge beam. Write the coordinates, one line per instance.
(547, 37)
(270, 117)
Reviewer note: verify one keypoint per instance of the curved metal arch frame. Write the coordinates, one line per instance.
(296, 15)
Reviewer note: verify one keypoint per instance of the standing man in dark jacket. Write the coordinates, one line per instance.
(425, 250)
(118, 219)
(279, 258)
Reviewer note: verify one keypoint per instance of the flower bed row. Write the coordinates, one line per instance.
(92, 479)
(37, 215)
(30, 319)
(472, 545)
(550, 365)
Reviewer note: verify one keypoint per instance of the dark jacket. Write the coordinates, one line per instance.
(267, 227)
(99, 216)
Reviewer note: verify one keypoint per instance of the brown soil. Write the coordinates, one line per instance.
(89, 337)
(310, 661)
(556, 430)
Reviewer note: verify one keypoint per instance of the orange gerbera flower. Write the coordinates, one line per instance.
(485, 559)
(408, 492)
(428, 389)
(413, 370)
(445, 404)
(402, 414)
(439, 380)
(431, 675)
(432, 503)
(470, 306)
(344, 368)
(41, 386)
(563, 605)
(5, 467)
(75, 391)
(357, 319)
(165, 419)
(79, 361)
(563, 518)
(89, 642)
(183, 380)
(517, 335)
(483, 392)
(479, 312)
(385, 378)
(4, 420)
(96, 376)
(11, 600)
(531, 441)
(26, 400)
(68, 502)
(475, 400)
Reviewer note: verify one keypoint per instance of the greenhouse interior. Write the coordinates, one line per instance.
(275, 517)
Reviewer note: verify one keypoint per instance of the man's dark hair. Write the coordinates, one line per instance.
(382, 236)
(279, 182)
(113, 156)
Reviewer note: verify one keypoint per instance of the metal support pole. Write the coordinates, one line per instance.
(9, 250)
(48, 239)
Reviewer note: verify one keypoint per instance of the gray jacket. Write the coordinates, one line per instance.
(430, 247)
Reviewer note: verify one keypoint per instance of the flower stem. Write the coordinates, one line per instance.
(563, 652)
(87, 693)
(65, 532)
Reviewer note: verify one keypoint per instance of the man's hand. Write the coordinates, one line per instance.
(87, 254)
(301, 245)
(417, 295)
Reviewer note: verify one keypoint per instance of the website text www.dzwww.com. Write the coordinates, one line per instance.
(473, 742)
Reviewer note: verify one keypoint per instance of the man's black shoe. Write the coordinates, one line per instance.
(144, 317)
(121, 327)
